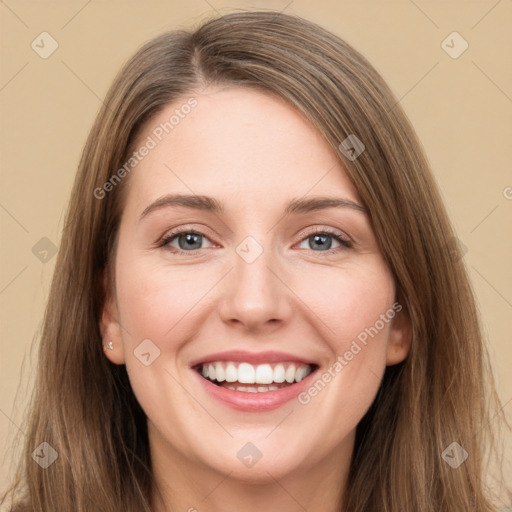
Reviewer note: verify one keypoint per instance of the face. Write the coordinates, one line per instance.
(217, 311)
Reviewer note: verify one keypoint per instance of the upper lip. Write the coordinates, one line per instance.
(251, 357)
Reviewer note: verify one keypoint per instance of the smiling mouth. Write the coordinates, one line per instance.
(249, 378)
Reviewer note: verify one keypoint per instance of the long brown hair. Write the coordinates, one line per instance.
(83, 405)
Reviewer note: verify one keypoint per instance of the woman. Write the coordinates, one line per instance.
(257, 302)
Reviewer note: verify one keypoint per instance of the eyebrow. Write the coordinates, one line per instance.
(210, 204)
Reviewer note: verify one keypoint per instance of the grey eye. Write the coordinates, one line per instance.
(320, 242)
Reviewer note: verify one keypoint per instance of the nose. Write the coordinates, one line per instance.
(256, 298)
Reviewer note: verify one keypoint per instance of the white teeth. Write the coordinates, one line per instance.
(211, 372)
(289, 376)
(246, 373)
(301, 373)
(279, 373)
(231, 373)
(220, 373)
(249, 389)
(264, 374)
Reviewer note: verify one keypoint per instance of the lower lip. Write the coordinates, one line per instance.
(255, 402)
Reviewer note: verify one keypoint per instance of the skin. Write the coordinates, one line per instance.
(254, 153)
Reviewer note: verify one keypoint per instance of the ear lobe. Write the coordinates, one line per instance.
(110, 327)
(400, 338)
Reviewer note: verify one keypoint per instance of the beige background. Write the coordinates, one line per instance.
(461, 109)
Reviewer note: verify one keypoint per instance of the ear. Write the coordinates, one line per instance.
(400, 337)
(109, 325)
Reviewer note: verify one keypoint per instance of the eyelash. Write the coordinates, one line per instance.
(345, 243)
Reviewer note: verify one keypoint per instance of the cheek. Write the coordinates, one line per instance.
(157, 304)
(357, 307)
(156, 301)
(348, 300)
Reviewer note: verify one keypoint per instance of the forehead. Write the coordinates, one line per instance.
(236, 143)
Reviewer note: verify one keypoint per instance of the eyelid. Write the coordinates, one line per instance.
(175, 232)
(312, 230)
